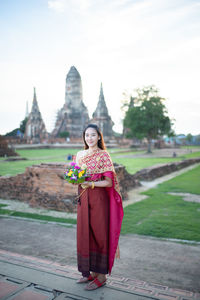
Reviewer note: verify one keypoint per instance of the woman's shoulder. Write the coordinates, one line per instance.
(105, 153)
(81, 153)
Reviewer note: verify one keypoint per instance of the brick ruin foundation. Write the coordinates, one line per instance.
(160, 170)
(5, 150)
(44, 185)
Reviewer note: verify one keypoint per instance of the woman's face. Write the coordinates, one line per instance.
(91, 137)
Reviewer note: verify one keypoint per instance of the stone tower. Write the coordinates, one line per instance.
(73, 116)
(35, 128)
(102, 118)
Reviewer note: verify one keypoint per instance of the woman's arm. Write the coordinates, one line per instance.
(107, 182)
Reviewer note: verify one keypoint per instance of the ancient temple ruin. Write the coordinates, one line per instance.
(35, 130)
(73, 116)
(5, 150)
(101, 116)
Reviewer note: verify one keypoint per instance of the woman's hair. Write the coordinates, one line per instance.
(100, 143)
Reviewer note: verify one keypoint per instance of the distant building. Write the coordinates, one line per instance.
(35, 128)
(101, 116)
(73, 116)
(5, 150)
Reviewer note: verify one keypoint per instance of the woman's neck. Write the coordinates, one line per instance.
(93, 149)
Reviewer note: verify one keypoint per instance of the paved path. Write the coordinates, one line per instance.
(29, 278)
(146, 259)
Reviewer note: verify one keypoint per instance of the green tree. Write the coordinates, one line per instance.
(64, 134)
(147, 118)
(189, 138)
(23, 125)
(12, 133)
(198, 139)
(22, 128)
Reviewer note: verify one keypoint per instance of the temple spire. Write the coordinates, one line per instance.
(35, 107)
(73, 116)
(101, 95)
(101, 110)
(35, 128)
(101, 115)
(101, 90)
(34, 94)
(27, 113)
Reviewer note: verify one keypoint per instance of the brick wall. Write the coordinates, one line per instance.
(153, 172)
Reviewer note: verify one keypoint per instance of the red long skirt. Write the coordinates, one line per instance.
(93, 230)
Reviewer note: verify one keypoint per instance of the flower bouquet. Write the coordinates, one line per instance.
(75, 174)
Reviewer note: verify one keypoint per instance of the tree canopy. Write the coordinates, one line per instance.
(147, 116)
(64, 134)
(23, 125)
(20, 130)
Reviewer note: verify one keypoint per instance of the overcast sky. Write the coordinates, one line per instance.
(124, 44)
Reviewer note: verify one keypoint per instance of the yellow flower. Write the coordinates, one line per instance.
(69, 173)
(80, 174)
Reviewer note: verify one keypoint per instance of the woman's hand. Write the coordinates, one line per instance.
(107, 182)
(85, 184)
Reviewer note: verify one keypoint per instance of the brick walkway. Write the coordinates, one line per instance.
(29, 278)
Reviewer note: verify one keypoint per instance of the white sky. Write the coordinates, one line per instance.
(124, 44)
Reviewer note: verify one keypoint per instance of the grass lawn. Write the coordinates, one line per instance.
(37, 156)
(59, 154)
(7, 212)
(135, 164)
(164, 215)
(34, 157)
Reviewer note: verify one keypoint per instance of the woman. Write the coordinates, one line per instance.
(99, 211)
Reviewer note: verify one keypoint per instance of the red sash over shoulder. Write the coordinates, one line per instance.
(100, 162)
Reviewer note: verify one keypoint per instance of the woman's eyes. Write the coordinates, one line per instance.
(87, 135)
